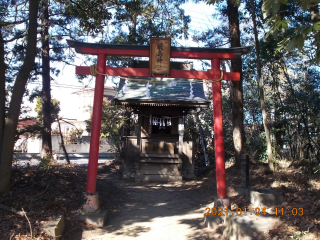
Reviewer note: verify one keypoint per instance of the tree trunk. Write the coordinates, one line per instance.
(133, 32)
(46, 150)
(16, 98)
(261, 90)
(202, 140)
(2, 88)
(62, 143)
(236, 86)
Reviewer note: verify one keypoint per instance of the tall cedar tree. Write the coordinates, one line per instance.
(236, 89)
(11, 121)
(46, 92)
(261, 90)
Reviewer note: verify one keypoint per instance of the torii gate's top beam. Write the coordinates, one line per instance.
(143, 51)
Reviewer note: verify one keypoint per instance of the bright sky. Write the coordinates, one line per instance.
(66, 83)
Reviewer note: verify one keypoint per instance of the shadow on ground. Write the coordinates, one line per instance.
(153, 210)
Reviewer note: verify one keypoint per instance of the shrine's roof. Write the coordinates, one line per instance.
(143, 50)
(161, 93)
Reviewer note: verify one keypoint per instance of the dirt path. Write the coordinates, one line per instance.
(151, 211)
(154, 211)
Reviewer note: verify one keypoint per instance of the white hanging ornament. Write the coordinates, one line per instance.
(191, 92)
(169, 121)
(172, 83)
(126, 86)
(148, 90)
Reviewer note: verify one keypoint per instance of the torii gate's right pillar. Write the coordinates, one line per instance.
(218, 133)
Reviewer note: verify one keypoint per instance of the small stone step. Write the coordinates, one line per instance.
(157, 178)
(157, 166)
(55, 227)
(159, 172)
(155, 160)
(264, 197)
(241, 224)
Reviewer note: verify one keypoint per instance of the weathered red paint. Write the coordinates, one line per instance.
(145, 53)
(214, 73)
(96, 126)
(144, 72)
(115, 52)
(202, 55)
(218, 131)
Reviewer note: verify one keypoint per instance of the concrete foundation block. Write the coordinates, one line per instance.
(91, 203)
(221, 202)
(264, 197)
(55, 227)
(158, 172)
(241, 224)
(97, 220)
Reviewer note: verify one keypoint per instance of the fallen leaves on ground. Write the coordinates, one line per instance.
(59, 190)
(52, 192)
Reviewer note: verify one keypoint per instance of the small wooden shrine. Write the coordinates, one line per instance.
(179, 161)
(159, 152)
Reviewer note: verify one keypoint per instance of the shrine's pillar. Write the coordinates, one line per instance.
(91, 204)
(218, 133)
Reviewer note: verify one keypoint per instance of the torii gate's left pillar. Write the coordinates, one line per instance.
(91, 204)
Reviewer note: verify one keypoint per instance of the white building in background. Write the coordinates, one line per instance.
(82, 102)
(80, 105)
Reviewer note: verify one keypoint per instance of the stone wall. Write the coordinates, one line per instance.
(34, 146)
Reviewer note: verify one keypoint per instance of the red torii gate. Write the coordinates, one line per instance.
(102, 50)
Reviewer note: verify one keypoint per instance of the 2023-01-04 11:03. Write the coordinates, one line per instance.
(257, 211)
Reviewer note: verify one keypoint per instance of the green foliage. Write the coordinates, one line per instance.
(147, 18)
(235, 2)
(206, 121)
(192, 132)
(73, 136)
(93, 16)
(112, 121)
(290, 79)
(46, 162)
(55, 109)
(297, 21)
(32, 130)
(299, 235)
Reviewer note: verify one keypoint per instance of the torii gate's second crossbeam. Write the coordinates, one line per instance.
(104, 50)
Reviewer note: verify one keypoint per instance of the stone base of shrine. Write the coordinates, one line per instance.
(157, 178)
(158, 168)
(189, 176)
